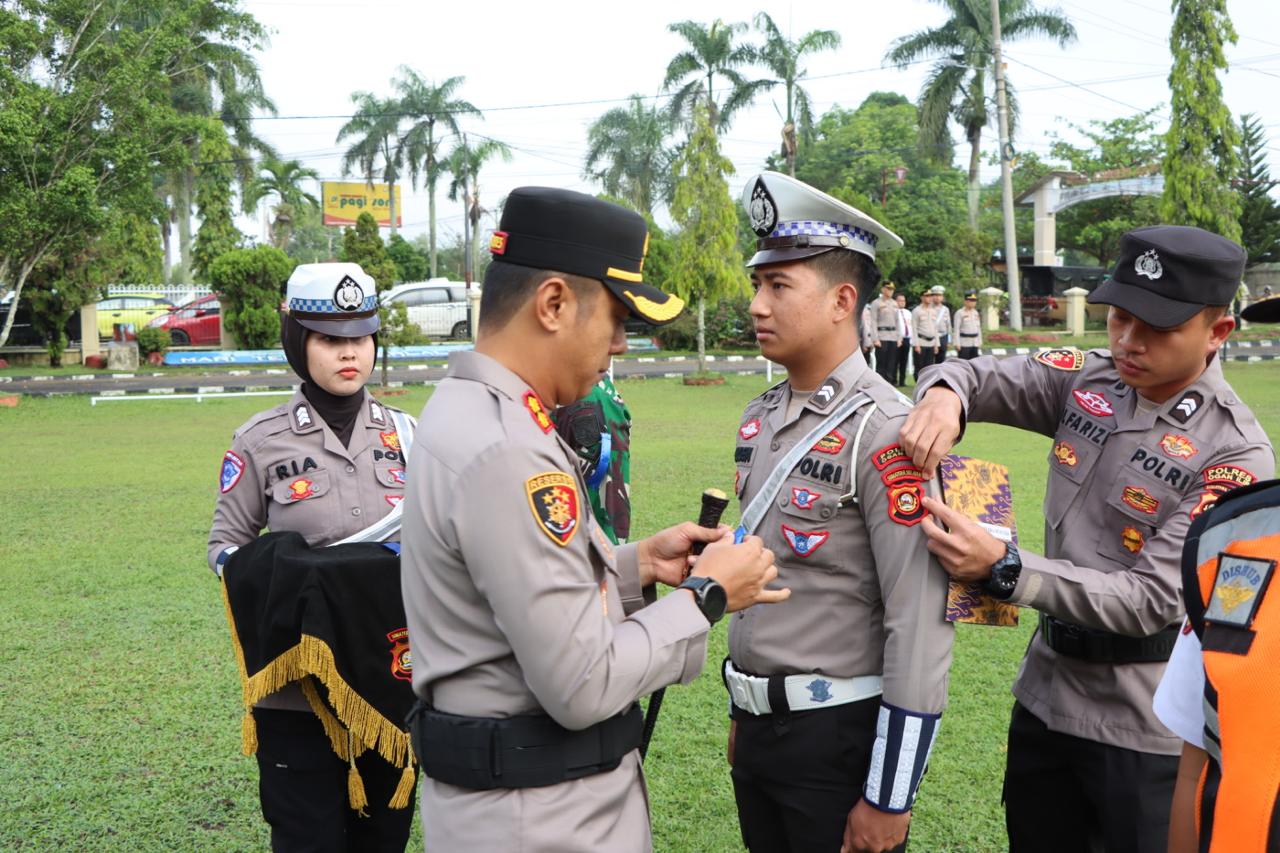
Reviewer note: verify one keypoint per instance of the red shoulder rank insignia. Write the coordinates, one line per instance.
(401, 658)
(498, 243)
(1178, 446)
(1065, 454)
(833, 442)
(390, 440)
(1067, 358)
(1218, 480)
(1132, 539)
(749, 430)
(538, 412)
(1140, 499)
(805, 543)
(886, 456)
(906, 503)
(301, 489)
(1094, 403)
(553, 497)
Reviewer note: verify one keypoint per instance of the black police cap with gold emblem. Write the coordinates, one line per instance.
(554, 229)
(1166, 274)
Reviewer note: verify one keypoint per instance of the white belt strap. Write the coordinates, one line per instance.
(389, 525)
(804, 692)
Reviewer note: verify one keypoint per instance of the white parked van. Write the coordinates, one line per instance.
(437, 306)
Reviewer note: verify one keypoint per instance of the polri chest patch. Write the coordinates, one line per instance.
(1238, 588)
(553, 499)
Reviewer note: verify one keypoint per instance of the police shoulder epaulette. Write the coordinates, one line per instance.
(769, 393)
(281, 411)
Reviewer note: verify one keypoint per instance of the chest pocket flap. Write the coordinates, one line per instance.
(313, 484)
(391, 476)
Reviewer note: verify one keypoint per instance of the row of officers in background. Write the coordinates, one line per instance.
(895, 339)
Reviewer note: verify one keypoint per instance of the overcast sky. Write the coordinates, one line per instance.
(542, 72)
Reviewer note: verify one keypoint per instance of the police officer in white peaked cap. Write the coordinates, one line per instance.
(837, 692)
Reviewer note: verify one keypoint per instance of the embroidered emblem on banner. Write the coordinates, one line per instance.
(804, 498)
(1178, 446)
(1094, 403)
(394, 500)
(804, 542)
(833, 442)
(301, 489)
(906, 503)
(1218, 480)
(819, 690)
(1186, 408)
(232, 469)
(397, 474)
(401, 658)
(1140, 499)
(538, 412)
(1132, 539)
(1065, 454)
(886, 456)
(1067, 359)
(553, 497)
(1238, 588)
(749, 430)
(1148, 264)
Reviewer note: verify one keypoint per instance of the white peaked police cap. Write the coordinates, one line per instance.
(337, 299)
(793, 221)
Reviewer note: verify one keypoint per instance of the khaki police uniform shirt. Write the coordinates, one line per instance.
(968, 327)
(925, 321)
(1123, 487)
(884, 320)
(943, 318)
(866, 596)
(295, 474)
(518, 604)
(866, 327)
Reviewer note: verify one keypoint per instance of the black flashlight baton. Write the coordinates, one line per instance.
(714, 503)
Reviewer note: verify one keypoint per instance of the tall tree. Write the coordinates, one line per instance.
(707, 264)
(782, 56)
(427, 105)
(1200, 148)
(218, 233)
(465, 162)
(1259, 213)
(627, 153)
(713, 53)
(363, 245)
(284, 180)
(957, 85)
(379, 144)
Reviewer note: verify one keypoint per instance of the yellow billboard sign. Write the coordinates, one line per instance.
(343, 202)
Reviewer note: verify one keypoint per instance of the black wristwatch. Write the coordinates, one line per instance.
(708, 594)
(1004, 574)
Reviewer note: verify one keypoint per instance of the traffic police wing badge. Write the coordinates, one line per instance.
(553, 497)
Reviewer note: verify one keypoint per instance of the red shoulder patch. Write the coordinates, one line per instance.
(1065, 358)
(538, 412)
(906, 503)
(886, 456)
(1218, 480)
(553, 498)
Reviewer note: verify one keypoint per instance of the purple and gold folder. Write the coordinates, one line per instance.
(980, 490)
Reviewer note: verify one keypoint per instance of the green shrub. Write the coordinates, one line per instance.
(151, 340)
(250, 284)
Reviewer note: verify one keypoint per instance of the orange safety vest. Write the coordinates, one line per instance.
(1232, 594)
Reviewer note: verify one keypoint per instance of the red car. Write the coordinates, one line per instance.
(193, 323)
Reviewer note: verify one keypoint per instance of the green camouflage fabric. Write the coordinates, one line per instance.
(581, 424)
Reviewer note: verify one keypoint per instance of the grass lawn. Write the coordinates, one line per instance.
(121, 714)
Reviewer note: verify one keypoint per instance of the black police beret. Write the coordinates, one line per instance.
(1167, 273)
(554, 229)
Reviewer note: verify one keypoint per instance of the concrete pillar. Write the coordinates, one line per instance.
(1075, 309)
(473, 300)
(89, 331)
(1045, 202)
(227, 340)
(989, 299)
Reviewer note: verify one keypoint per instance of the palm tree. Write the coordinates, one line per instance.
(379, 143)
(712, 53)
(782, 56)
(627, 153)
(283, 180)
(465, 162)
(426, 105)
(956, 87)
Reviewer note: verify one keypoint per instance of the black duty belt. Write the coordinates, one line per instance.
(528, 751)
(968, 335)
(886, 328)
(1090, 644)
(933, 340)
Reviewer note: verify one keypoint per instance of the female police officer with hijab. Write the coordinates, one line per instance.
(327, 464)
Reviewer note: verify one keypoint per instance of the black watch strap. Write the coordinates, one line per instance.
(708, 594)
(1004, 574)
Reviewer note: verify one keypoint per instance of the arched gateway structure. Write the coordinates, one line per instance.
(1059, 190)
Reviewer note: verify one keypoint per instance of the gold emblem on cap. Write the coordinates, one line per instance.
(659, 312)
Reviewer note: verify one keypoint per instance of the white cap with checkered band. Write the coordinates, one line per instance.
(337, 299)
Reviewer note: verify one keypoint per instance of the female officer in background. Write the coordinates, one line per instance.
(326, 464)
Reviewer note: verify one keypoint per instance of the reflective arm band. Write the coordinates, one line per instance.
(222, 559)
(899, 757)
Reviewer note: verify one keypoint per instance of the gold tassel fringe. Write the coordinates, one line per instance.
(400, 799)
(356, 796)
(248, 733)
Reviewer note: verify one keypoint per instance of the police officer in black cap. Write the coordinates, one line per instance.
(1146, 435)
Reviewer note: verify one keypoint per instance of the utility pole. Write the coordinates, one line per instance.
(1006, 178)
